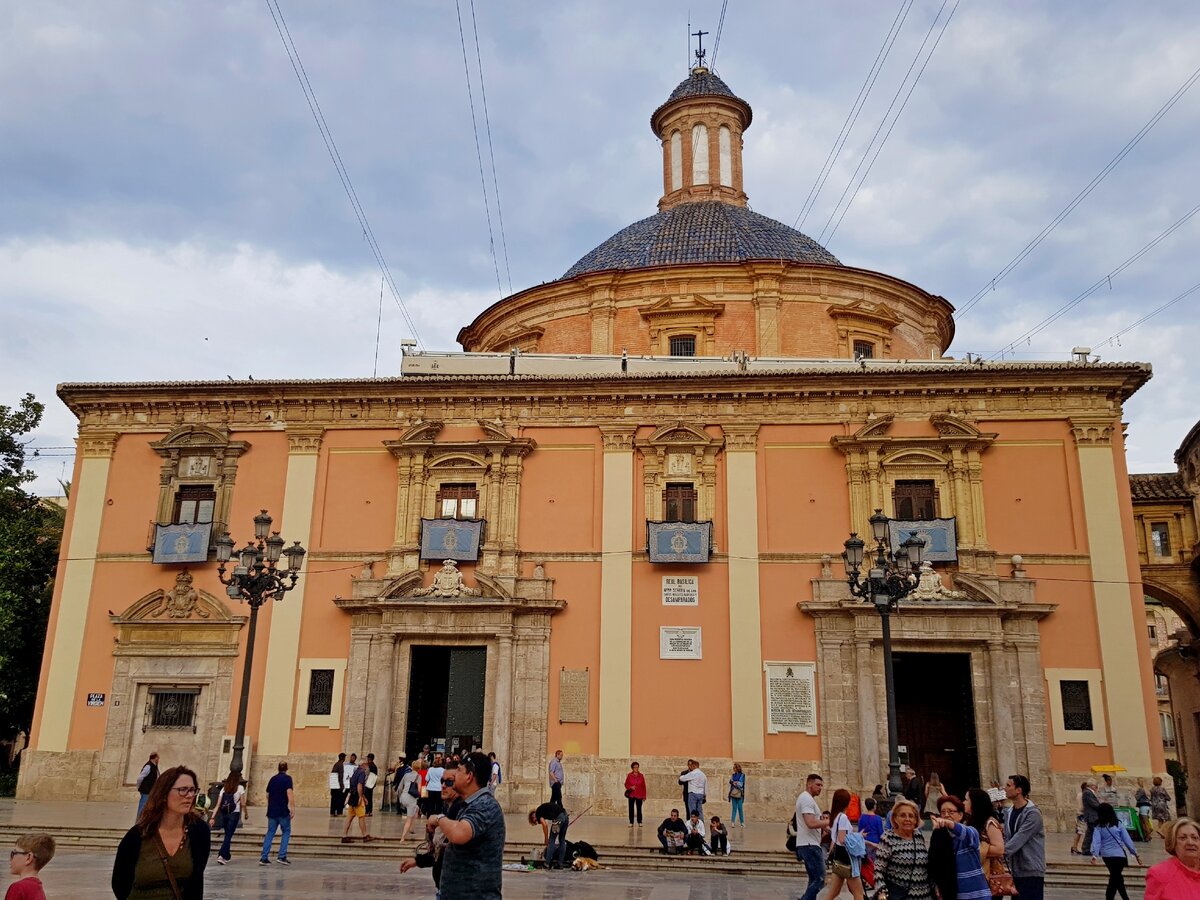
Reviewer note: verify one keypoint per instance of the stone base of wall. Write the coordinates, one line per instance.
(1060, 805)
(59, 776)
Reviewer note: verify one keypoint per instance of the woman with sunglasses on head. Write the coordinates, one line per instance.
(163, 856)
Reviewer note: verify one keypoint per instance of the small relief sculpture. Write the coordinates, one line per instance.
(930, 586)
(368, 570)
(448, 582)
(181, 601)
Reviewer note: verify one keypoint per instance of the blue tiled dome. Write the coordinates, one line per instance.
(703, 232)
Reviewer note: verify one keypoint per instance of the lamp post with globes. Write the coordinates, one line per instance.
(255, 579)
(891, 576)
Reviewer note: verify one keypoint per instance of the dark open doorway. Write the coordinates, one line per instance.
(935, 715)
(445, 698)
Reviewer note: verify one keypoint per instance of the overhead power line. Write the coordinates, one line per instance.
(1080, 197)
(717, 39)
(487, 206)
(1104, 280)
(289, 46)
(1147, 317)
(491, 152)
(852, 117)
(827, 232)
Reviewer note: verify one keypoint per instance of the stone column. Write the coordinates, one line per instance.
(354, 729)
(383, 658)
(1002, 711)
(868, 724)
(503, 715)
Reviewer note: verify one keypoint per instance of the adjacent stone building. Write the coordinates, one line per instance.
(611, 527)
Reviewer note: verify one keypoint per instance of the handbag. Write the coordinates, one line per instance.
(628, 792)
(372, 780)
(999, 878)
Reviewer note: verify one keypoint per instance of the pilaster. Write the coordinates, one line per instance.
(616, 590)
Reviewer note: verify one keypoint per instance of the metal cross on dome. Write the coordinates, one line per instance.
(700, 51)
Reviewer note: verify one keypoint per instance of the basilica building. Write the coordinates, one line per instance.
(612, 525)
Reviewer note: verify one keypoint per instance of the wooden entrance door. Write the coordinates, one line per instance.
(935, 716)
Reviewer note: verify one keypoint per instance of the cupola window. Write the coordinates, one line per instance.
(676, 161)
(700, 154)
(726, 151)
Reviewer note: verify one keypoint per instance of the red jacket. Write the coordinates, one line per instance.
(635, 784)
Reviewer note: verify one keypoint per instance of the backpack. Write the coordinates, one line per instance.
(228, 803)
(790, 843)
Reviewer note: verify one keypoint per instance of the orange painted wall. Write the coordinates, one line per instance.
(132, 501)
(804, 506)
(574, 644)
(355, 506)
(1031, 488)
(324, 633)
(788, 636)
(669, 693)
(560, 491)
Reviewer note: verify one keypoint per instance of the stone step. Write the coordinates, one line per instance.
(778, 863)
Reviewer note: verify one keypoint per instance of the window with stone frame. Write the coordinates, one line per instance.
(915, 501)
(194, 504)
(457, 501)
(320, 692)
(1160, 538)
(679, 502)
(683, 345)
(1076, 705)
(864, 350)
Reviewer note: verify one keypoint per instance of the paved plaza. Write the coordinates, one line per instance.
(85, 875)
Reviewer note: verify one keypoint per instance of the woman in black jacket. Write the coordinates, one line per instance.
(165, 853)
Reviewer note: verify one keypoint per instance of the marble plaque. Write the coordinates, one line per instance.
(791, 697)
(573, 686)
(680, 643)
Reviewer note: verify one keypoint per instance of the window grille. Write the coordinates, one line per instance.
(173, 708)
(679, 503)
(864, 350)
(1077, 705)
(683, 345)
(915, 501)
(320, 692)
(194, 504)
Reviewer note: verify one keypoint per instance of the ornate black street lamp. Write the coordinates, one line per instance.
(256, 579)
(890, 577)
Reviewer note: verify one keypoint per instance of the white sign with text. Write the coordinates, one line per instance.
(791, 697)
(680, 590)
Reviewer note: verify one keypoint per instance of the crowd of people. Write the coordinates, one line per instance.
(934, 845)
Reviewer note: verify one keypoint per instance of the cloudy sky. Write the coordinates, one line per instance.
(168, 208)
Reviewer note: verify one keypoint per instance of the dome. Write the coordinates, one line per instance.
(702, 83)
(702, 232)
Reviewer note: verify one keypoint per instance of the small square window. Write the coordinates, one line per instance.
(457, 501)
(683, 345)
(915, 501)
(1077, 705)
(864, 350)
(320, 692)
(194, 504)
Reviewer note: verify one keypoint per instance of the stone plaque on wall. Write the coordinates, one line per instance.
(679, 643)
(791, 697)
(573, 686)
(680, 590)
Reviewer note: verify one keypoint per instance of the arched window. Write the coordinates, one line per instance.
(726, 156)
(700, 154)
(676, 161)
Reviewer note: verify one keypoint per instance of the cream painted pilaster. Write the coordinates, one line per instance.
(745, 629)
(66, 647)
(616, 591)
(1124, 699)
(283, 646)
